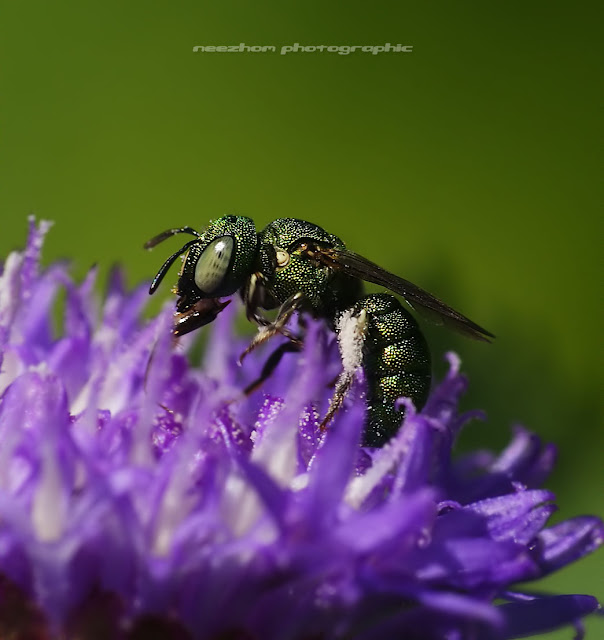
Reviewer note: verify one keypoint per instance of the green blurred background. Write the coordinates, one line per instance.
(469, 166)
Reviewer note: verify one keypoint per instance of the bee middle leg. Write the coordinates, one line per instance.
(271, 364)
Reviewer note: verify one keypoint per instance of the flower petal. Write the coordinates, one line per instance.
(544, 614)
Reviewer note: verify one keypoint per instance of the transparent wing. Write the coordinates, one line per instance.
(425, 303)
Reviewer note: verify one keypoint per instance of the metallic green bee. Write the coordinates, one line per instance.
(296, 266)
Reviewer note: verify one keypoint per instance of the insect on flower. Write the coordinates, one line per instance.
(296, 266)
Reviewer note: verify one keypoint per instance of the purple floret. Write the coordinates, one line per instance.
(142, 495)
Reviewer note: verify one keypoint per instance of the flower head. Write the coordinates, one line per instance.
(139, 493)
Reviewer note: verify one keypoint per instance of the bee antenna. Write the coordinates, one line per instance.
(168, 234)
(167, 264)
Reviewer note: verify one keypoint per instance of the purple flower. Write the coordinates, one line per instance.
(142, 497)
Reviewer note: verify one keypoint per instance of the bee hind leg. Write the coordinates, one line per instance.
(351, 329)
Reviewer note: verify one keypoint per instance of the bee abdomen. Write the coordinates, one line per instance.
(396, 360)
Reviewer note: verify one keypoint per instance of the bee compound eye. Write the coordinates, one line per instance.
(283, 258)
(213, 263)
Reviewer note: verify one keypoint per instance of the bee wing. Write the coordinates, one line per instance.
(416, 298)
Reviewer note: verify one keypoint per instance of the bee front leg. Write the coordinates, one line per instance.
(287, 309)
